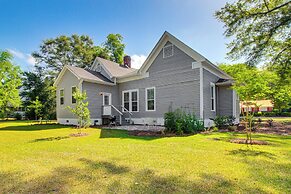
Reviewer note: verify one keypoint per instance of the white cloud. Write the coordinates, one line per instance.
(27, 58)
(137, 61)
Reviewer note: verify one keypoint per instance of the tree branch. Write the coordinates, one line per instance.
(271, 10)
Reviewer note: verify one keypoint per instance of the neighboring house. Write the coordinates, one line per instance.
(257, 106)
(173, 76)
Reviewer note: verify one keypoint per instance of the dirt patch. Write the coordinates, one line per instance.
(253, 142)
(78, 134)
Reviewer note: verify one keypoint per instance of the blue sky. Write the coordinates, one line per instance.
(25, 23)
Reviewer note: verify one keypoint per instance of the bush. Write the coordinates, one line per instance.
(179, 122)
(224, 121)
(17, 116)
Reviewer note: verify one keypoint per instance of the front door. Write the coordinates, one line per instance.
(107, 103)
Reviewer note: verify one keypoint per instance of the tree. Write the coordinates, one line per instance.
(36, 106)
(250, 84)
(10, 81)
(81, 109)
(63, 50)
(37, 84)
(115, 47)
(260, 32)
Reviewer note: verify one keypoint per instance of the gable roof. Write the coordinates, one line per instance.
(185, 48)
(114, 69)
(84, 74)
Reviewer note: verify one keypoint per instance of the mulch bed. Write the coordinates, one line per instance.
(78, 134)
(253, 142)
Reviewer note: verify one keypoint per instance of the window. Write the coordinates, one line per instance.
(62, 96)
(168, 51)
(130, 100)
(106, 99)
(150, 99)
(213, 100)
(74, 89)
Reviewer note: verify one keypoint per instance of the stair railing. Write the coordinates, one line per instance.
(120, 114)
(129, 113)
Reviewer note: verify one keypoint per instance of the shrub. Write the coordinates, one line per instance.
(179, 122)
(223, 121)
(17, 116)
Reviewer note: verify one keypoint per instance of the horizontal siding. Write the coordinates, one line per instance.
(177, 85)
(68, 80)
(207, 79)
(93, 91)
(225, 101)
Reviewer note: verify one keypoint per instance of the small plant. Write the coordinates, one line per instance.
(215, 129)
(270, 122)
(17, 116)
(81, 110)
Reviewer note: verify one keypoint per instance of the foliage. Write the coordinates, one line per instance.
(10, 81)
(63, 50)
(36, 106)
(180, 122)
(37, 83)
(115, 47)
(81, 109)
(260, 32)
(252, 83)
(224, 121)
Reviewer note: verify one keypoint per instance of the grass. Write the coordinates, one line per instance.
(45, 159)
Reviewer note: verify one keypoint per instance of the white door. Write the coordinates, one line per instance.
(107, 103)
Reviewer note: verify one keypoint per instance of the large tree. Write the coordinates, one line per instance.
(115, 47)
(72, 50)
(10, 81)
(39, 86)
(260, 33)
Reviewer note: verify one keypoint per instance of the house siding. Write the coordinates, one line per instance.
(68, 80)
(225, 101)
(176, 83)
(93, 92)
(208, 78)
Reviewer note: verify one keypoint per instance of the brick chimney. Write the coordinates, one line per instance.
(127, 61)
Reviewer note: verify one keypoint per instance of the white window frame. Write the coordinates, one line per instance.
(130, 99)
(146, 99)
(62, 96)
(107, 94)
(72, 94)
(170, 45)
(212, 89)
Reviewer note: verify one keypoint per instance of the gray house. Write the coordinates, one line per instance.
(173, 76)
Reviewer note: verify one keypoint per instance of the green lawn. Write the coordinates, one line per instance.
(44, 159)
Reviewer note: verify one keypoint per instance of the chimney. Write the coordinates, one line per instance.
(127, 61)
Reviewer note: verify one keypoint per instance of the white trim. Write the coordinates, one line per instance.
(65, 68)
(107, 94)
(196, 64)
(212, 90)
(170, 45)
(132, 78)
(201, 94)
(74, 121)
(130, 101)
(146, 99)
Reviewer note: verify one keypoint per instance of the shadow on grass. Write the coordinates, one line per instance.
(34, 127)
(251, 152)
(50, 139)
(107, 166)
(122, 134)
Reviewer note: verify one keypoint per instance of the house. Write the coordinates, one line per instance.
(173, 76)
(257, 106)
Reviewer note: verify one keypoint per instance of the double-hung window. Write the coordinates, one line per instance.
(130, 100)
(74, 89)
(62, 95)
(150, 99)
(213, 97)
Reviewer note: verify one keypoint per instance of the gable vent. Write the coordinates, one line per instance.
(168, 51)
